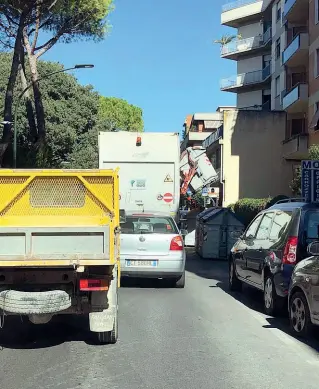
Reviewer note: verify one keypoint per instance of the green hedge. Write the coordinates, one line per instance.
(246, 209)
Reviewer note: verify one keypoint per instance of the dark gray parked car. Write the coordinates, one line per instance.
(304, 293)
(265, 256)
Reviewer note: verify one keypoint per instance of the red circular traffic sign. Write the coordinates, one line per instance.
(168, 197)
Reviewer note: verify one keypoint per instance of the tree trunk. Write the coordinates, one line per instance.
(28, 101)
(39, 109)
(8, 102)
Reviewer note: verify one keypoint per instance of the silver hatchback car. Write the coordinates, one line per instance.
(152, 247)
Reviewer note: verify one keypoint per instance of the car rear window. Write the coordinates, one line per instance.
(279, 224)
(312, 224)
(148, 225)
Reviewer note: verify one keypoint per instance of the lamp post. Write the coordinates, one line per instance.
(86, 66)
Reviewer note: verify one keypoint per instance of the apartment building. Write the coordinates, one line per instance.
(198, 127)
(245, 170)
(252, 51)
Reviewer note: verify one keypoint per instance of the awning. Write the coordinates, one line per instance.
(314, 120)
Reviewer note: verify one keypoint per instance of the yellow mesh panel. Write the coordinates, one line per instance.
(9, 186)
(103, 185)
(59, 196)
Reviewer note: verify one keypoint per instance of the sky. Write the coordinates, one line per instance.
(160, 56)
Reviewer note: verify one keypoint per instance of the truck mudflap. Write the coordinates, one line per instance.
(107, 320)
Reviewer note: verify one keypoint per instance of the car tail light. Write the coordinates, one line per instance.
(290, 251)
(176, 244)
(89, 285)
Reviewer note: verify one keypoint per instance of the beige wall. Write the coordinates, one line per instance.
(252, 160)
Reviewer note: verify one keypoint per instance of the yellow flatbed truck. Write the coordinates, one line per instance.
(59, 246)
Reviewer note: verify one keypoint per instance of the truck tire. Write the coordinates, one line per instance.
(37, 303)
(109, 337)
(180, 283)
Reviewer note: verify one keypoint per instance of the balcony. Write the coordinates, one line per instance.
(297, 53)
(296, 100)
(296, 11)
(194, 139)
(246, 81)
(296, 147)
(235, 13)
(240, 47)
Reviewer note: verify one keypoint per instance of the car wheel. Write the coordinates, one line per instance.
(272, 302)
(234, 284)
(299, 315)
(180, 283)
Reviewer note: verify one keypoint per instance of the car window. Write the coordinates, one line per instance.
(251, 230)
(264, 226)
(312, 224)
(279, 225)
(148, 225)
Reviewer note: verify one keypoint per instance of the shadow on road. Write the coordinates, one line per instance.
(19, 333)
(250, 297)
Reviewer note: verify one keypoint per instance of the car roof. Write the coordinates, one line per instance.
(290, 206)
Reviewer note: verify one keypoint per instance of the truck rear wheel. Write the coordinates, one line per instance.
(109, 337)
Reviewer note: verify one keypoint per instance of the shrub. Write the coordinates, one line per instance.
(231, 207)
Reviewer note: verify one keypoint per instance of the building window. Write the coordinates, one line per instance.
(277, 48)
(277, 86)
(316, 11)
(278, 11)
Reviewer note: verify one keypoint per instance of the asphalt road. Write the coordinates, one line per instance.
(200, 337)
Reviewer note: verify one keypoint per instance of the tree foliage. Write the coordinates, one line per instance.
(72, 117)
(119, 114)
(225, 39)
(295, 185)
(22, 23)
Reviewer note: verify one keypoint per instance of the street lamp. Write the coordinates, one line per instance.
(75, 67)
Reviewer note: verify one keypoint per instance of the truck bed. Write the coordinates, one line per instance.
(54, 246)
(58, 218)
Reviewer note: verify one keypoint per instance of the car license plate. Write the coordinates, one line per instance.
(140, 263)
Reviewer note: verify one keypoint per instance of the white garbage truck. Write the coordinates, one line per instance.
(149, 169)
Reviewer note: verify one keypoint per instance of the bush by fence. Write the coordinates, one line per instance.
(246, 209)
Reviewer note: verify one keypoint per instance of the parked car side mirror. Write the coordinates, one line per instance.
(313, 248)
(184, 232)
(122, 216)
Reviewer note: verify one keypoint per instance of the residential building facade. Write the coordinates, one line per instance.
(246, 170)
(252, 51)
(198, 127)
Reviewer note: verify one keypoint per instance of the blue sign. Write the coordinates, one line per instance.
(204, 192)
(310, 180)
(212, 138)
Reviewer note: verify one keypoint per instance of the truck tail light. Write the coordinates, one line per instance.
(89, 285)
(290, 251)
(176, 244)
(138, 141)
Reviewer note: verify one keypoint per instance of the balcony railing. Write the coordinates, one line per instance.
(240, 45)
(288, 5)
(236, 4)
(297, 43)
(249, 78)
(299, 92)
